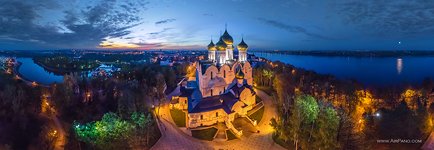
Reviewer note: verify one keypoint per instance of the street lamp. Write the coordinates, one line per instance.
(377, 114)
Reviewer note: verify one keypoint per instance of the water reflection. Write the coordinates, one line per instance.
(399, 65)
(368, 70)
(33, 72)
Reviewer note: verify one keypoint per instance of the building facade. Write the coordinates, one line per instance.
(221, 89)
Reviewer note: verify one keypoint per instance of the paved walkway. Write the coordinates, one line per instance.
(173, 138)
(429, 143)
(58, 128)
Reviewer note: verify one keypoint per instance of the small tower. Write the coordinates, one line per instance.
(211, 51)
(229, 41)
(240, 77)
(242, 51)
(221, 51)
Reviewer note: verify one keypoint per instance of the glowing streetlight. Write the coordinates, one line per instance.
(377, 114)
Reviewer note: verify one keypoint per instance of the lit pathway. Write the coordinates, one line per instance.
(429, 143)
(59, 131)
(173, 138)
(60, 143)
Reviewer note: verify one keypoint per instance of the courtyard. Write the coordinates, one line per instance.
(174, 137)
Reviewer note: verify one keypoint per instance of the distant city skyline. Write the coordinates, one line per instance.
(190, 24)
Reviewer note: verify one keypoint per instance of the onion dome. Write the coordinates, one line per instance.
(211, 46)
(242, 46)
(227, 38)
(240, 74)
(220, 45)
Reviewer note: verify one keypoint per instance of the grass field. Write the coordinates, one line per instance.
(257, 115)
(204, 134)
(231, 136)
(178, 117)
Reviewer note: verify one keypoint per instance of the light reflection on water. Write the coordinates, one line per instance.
(367, 70)
(33, 72)
(399, 65)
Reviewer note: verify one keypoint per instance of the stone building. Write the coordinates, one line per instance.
(221, 89)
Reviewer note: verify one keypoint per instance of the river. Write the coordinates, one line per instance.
(31, 71)
(376, 71)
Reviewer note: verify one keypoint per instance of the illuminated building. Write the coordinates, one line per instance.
(221, 89)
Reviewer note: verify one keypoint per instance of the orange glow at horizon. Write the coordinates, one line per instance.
(123, 45)
(117, 45)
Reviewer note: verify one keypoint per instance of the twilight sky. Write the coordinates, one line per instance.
(190, 24)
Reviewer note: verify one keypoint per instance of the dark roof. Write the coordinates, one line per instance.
(227, 38)
(221, 46)
(224, 101)
(243, 44)
(186, 92)
(237, 90)
(239, 75)
(205, 64)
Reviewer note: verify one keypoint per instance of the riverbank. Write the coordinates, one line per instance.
(19, 76)
(369, 71)
(58, 71)
(352, 53)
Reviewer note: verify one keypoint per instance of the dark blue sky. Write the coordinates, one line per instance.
(189, 24)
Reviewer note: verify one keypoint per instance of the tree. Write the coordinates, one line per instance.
(268, 74)
(304, 113)
(159, 90)
(308, 109)
(326, 131)
(126, 103)
(113, 132)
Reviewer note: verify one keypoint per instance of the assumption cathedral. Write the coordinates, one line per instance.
(221, 89)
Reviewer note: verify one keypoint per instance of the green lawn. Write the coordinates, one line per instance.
(231, 136)
(205, 134)
(178, 117)
(257, 115)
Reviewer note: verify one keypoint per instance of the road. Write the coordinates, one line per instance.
(173, 138)
(58, 128)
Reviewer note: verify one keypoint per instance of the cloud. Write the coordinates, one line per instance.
(165, 21)
(160, 32)
(390, 18)
(291, 28)
(79, 28)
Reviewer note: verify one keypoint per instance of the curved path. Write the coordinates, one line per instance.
(173, 138)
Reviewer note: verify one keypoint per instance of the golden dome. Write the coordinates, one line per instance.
(227, 38)
(242, 46)
(220, 45)
(240, 74)
(211, 46)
